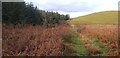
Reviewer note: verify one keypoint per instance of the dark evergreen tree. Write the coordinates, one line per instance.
(26, 13)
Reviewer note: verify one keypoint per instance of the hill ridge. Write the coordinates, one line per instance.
(104, 17)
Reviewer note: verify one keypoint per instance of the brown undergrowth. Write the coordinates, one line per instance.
(107, 34)
(29, 40)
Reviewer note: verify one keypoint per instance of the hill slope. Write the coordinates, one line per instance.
(106, 17)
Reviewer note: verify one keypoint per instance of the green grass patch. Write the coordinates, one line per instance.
(72, 38)
(75, 44)
(80, 50)
(98, 44)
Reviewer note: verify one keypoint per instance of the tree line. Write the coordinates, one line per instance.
(27, 13)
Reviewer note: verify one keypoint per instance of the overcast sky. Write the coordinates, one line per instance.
(76, 8)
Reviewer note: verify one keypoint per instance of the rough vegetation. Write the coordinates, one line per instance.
(31, 40)
(103, 36)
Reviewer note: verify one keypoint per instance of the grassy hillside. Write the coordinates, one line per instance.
(106, 17)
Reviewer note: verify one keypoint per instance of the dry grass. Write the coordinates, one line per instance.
(38, 40)
(108, 34)
(31, 40)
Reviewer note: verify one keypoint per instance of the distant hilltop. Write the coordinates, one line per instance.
(106, 17)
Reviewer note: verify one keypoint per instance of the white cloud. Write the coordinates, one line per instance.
(76, 7)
